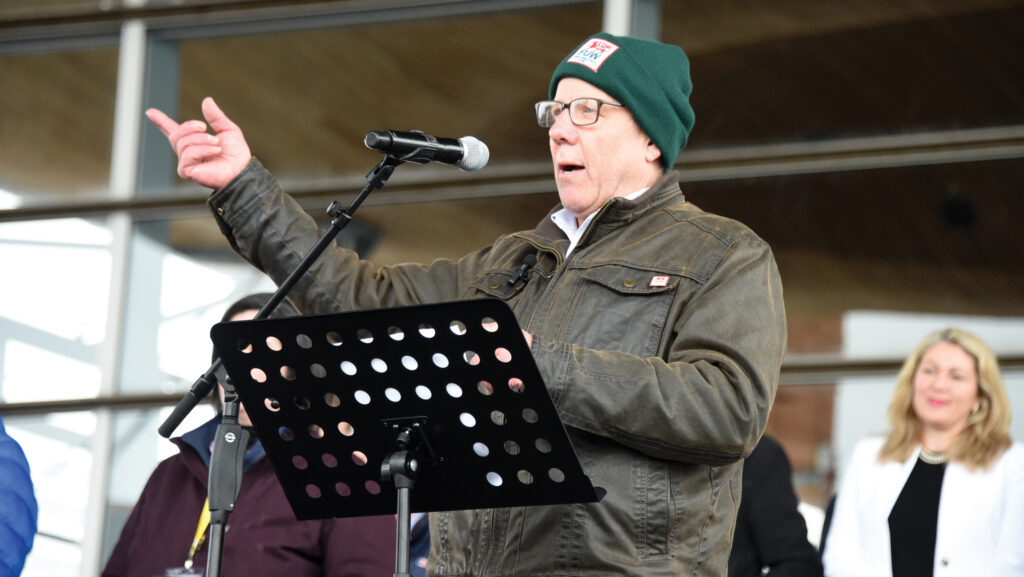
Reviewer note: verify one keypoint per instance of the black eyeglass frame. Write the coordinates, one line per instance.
(542, 118)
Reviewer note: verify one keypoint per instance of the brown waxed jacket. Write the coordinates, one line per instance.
(659, 338)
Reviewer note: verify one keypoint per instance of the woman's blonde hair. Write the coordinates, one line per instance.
(987, 434)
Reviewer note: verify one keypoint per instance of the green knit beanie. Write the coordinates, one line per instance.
(650, 78)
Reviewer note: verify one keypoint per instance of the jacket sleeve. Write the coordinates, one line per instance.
(707, 400)
(270, 230)
(777, 529)
(1009, 558)
(18, 508)
(359, 546)
(844, 555)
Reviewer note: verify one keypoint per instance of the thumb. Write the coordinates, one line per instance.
(216, 118)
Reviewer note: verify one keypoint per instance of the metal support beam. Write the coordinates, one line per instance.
(697, 165)
(639, 18)
(124, 172)
(795, 371)
(83, 28)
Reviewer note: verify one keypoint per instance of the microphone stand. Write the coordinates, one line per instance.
(225, 481)
(230, 443)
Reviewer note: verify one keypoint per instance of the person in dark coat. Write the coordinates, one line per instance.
(165, 535)
(770, 531)
(19, 511)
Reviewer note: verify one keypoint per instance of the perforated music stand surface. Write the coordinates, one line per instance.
(328, 394)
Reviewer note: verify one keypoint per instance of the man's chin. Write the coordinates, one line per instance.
(572, 198)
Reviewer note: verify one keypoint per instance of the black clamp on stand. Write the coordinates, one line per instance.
(225, 479)
(401, 468)
(440, 405)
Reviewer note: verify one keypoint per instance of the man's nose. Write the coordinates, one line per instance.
(563, 129)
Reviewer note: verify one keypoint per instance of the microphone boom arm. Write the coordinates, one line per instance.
(376, 178)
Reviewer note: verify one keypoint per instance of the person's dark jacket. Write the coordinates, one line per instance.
(19, 511)
(659, 339)
(263, 538)
(770, 531)
(419, 548)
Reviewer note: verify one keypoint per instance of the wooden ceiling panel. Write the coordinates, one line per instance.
(57, 122)
(326, 89)
(934, 73)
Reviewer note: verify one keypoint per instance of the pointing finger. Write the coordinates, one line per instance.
(161, 120)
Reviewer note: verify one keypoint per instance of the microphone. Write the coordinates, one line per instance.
(523, 270)
(466, 153)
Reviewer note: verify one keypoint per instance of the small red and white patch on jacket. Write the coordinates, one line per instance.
(659, 280)
(594, 53)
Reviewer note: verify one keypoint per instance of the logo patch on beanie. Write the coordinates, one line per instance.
(593, 53)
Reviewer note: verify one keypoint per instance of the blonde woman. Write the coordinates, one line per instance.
(943, 493)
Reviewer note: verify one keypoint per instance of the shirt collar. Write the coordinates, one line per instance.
(566, 221)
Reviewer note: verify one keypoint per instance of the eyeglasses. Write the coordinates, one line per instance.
(582, 111)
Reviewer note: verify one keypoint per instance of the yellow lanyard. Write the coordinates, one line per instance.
(197, 541)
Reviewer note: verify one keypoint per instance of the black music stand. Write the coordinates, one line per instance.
(353, 408)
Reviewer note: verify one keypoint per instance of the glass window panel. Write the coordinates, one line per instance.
(53, 317)
(56, 134)
(59, 451)
(176, 296)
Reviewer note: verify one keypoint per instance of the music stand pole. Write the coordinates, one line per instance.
(401, 468)
(225, 475)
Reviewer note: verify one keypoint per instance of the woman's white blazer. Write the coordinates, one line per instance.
(981, 517)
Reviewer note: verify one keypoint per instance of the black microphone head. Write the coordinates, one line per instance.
(378, 140)
(474, 154)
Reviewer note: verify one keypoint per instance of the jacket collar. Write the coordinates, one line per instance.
(616, 212)
(201, 440)
(621, 210)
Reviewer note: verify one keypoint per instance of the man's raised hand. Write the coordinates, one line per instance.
(211, 160)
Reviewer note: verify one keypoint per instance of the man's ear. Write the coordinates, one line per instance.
(653, 152)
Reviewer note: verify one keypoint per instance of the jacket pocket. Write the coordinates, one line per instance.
(621, 308)
(495, 284)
